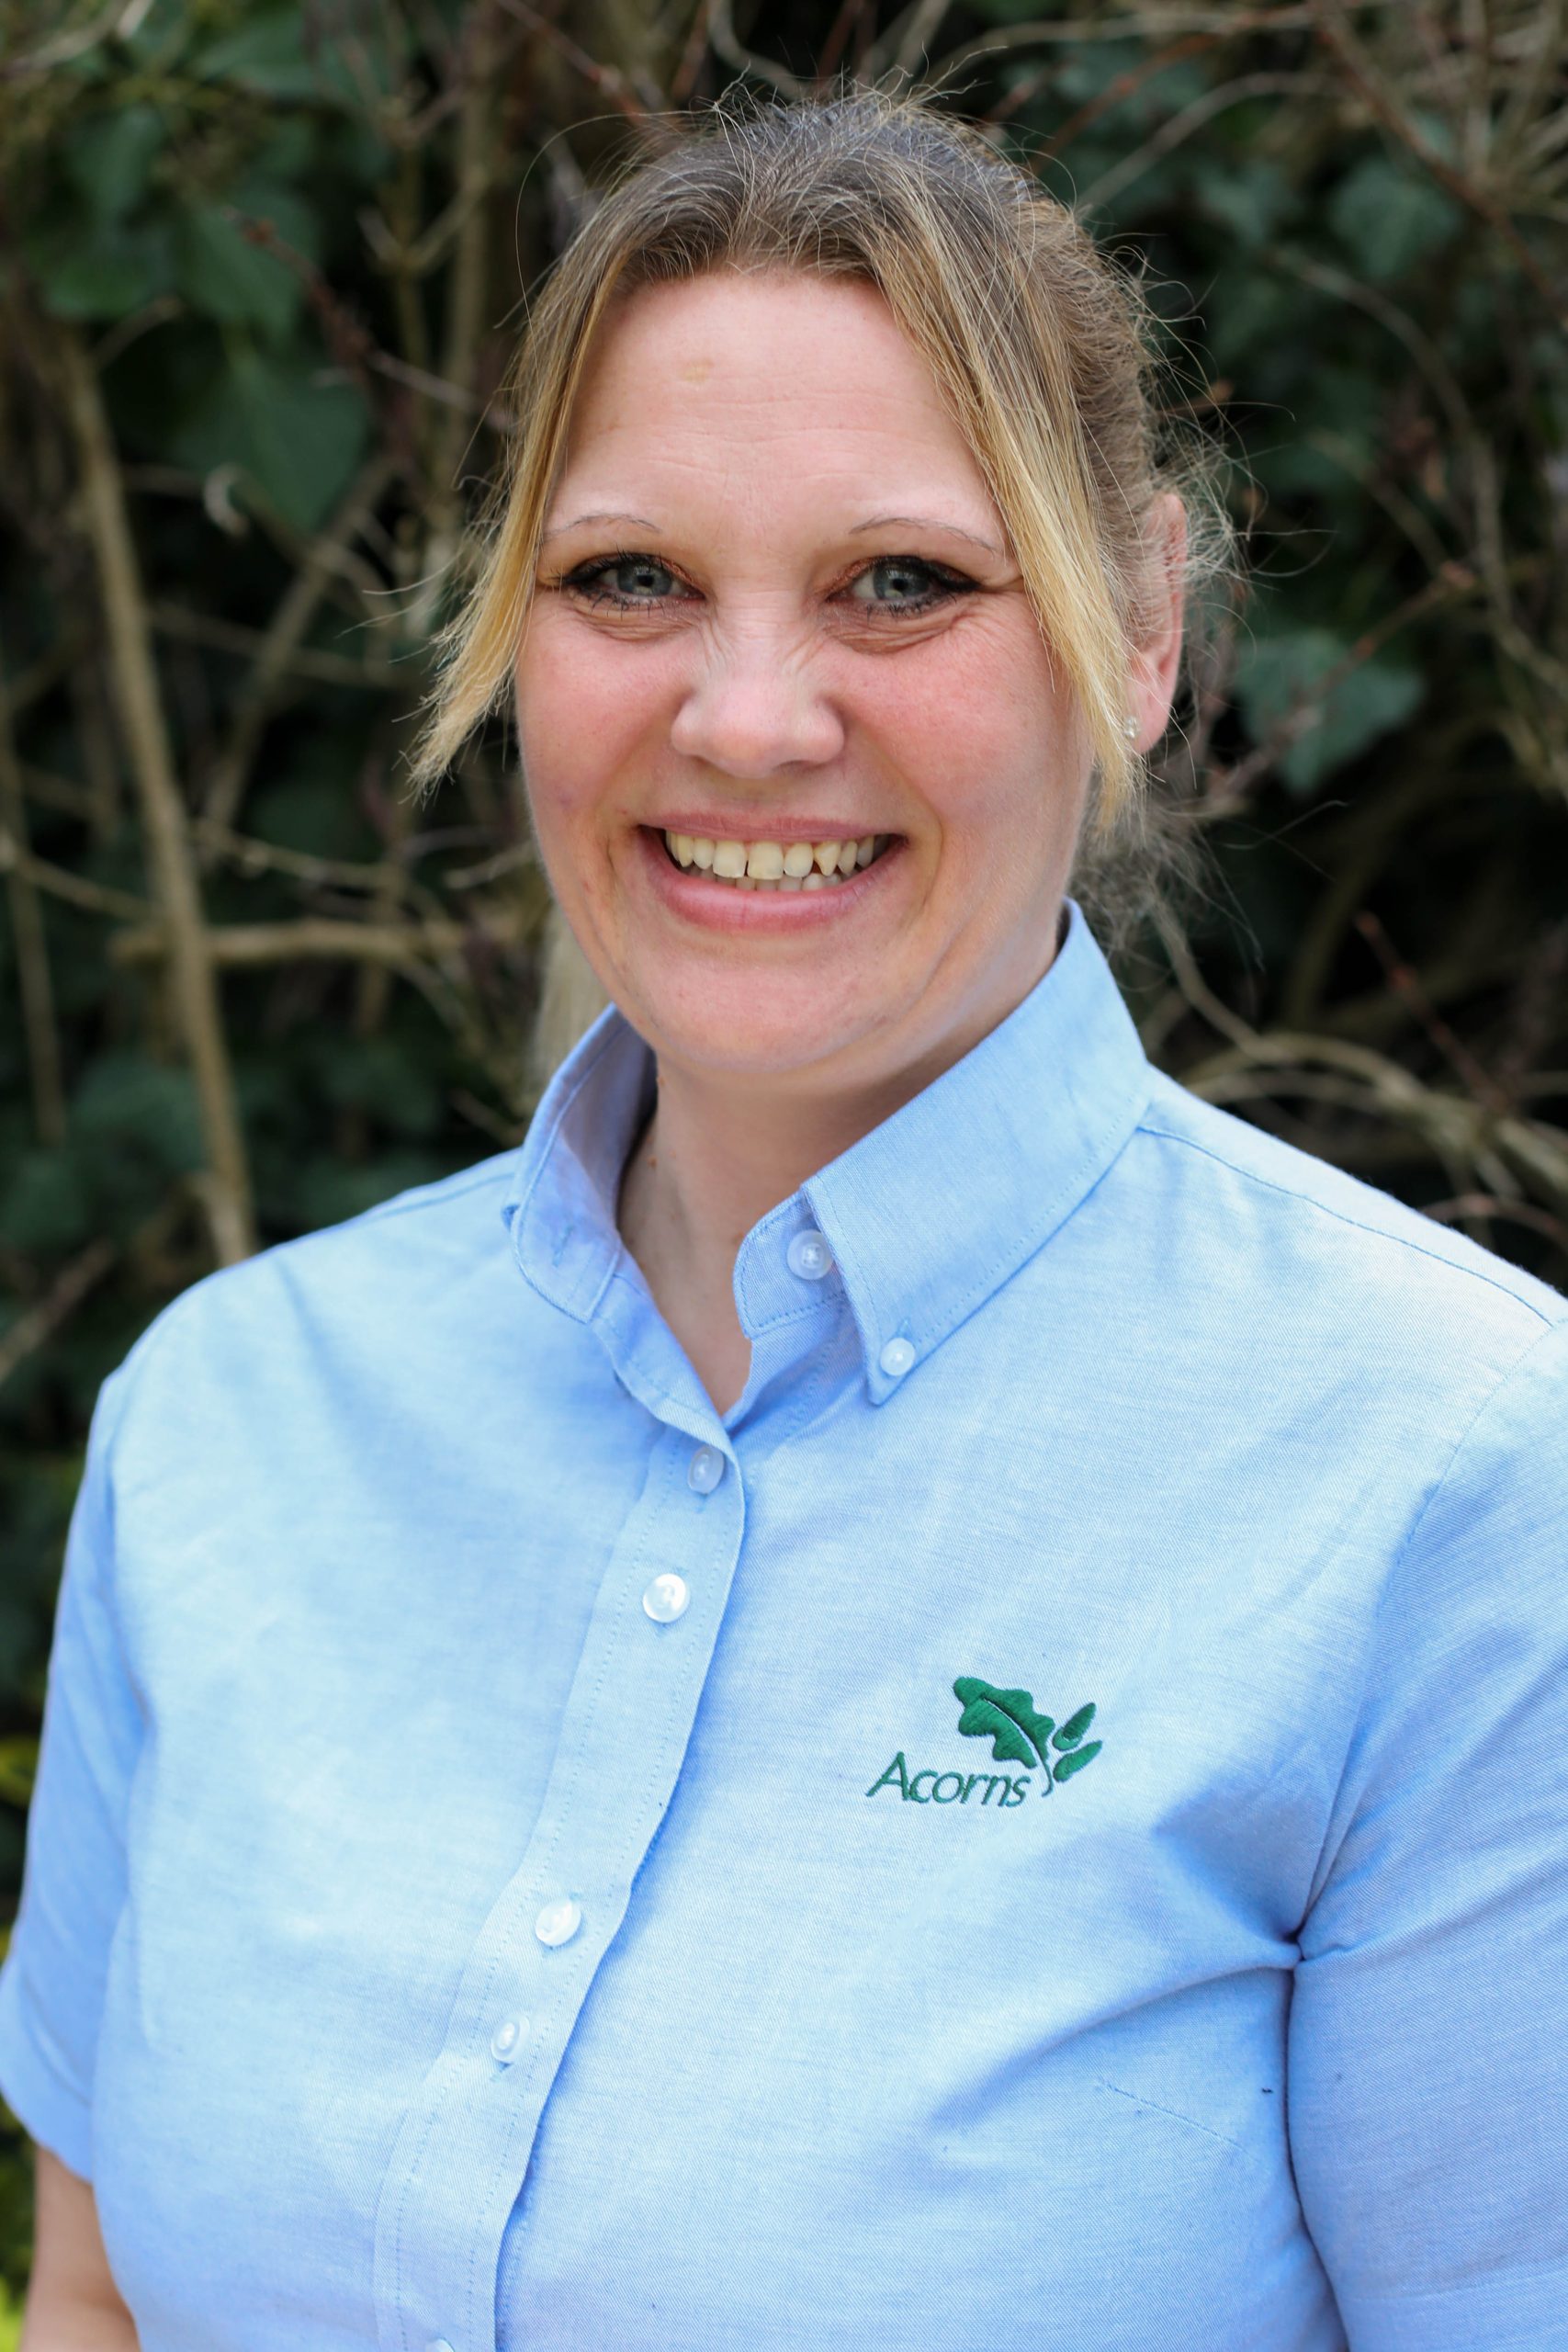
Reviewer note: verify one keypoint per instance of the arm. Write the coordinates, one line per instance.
(1428, 2059)
(73, 2302)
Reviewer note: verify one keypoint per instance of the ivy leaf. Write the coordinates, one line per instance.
(300, 438)
(1073, 1730)
(1069, 1765)
(100, 273)
(222, 273)
(1007, 1718)
(109, 158)
(1388, 219)
(1279, 677)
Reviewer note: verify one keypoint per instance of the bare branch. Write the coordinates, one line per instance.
(228, 1195)
(281, 645)
(32, 948)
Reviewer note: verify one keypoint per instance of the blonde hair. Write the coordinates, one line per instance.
(1039, 344)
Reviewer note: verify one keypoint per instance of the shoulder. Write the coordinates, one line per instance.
(1323, 1244)
(368, 1283)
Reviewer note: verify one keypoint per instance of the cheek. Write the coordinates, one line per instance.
(973, 721)
(583, 709)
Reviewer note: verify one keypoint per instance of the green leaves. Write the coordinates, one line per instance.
(1281, 683)
(108, 158)
(1021, 1735)
(227, 275)
(1008, 1717)
(297, 432)
(1389, 217)
(1069, 1739)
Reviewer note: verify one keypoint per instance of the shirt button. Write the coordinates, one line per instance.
(558, 1921)
(507, 2039)
(706, 1469)
(809, 1256)
(666, 1597)
(438, 2344)
(896, 1358)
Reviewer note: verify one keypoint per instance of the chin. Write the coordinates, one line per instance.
(748, 1041)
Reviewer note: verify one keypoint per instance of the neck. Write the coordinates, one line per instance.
(712, 1160)
(717, 1155)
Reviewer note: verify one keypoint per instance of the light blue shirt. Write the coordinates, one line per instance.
(1045, 1825)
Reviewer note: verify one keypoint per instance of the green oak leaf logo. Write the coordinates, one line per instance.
(1019, 1734)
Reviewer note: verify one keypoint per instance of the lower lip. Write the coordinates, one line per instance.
(721, 906)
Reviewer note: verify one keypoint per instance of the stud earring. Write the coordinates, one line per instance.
(1130, 728)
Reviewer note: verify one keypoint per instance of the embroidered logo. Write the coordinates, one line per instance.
(1018, 1734)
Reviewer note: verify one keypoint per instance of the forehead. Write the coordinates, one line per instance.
(765, 380)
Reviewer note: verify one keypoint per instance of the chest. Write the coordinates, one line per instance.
(920, 1966)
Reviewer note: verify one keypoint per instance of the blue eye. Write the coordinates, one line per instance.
(904, 584)
(624, 580)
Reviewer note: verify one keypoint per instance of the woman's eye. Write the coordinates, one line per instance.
(625, 579)
(897, 583)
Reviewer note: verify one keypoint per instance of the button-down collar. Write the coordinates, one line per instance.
(927, 1215)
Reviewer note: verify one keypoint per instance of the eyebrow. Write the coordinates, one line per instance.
(578, 521)
(877, 523)
(923, 523)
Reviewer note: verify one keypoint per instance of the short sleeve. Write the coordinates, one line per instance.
(51, 1985)
(1428, 2053)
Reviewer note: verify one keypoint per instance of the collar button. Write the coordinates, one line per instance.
(809, 1256)
(896, 1358)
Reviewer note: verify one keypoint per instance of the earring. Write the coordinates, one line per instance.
(1130, 728)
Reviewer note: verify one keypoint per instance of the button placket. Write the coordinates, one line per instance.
(451, 2142)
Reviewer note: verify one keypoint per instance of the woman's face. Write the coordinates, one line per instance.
(777, 608)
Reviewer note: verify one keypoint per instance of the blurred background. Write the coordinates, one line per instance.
(261, 268)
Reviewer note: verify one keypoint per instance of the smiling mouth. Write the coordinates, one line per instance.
(771, 865)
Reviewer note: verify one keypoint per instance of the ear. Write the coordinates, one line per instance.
(1151, 677)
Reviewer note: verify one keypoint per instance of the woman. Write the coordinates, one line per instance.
(899, 1687)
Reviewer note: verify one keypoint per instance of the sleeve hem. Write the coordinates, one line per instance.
(50, 2110)
(1517, 2311)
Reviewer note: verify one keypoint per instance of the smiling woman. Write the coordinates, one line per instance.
(470, 1903)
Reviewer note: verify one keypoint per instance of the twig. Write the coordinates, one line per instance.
(233, 637)
(1405, 983)
(117, 22)
(1489, 1205)
(1179, 127)
(33, 979)
(727, 43)
(59, 882)
(490, 869)
(39, 1322)
(319, 936)
(1091, 26)
(253, 856)
(228, 1191)
(281, 643)
(685, 76)
(925, 22)
(1333, 30)
(606, 79)
(1307, 706)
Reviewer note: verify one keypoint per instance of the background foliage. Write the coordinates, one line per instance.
(263, 266)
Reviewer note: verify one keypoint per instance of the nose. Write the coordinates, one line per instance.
(753, 709)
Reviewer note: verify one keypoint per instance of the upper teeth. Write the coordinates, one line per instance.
(791, 865)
